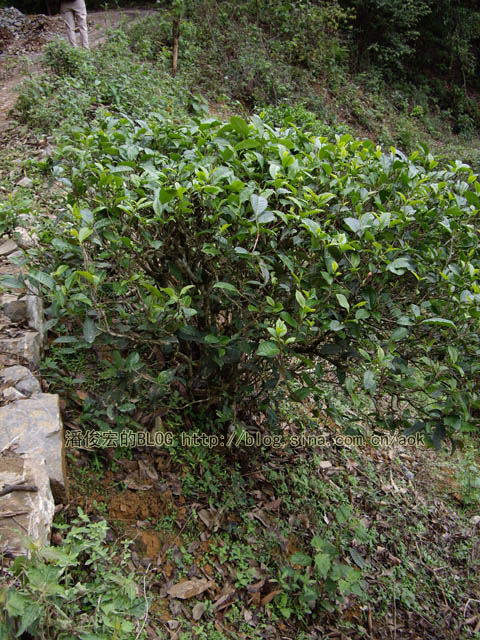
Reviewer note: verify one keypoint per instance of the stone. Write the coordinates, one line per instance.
(35, 314)
(8, 247)
(24, 239)
(16, 310)
(10, 394)
(16, 255)
(24, 512)
(25, 182)
(27, 346)
(22, 379)
(35, 427)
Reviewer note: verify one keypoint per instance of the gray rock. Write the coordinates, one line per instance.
(35, 314)
(10, 394)
(16, 310)
(27, 346)
(25, 182)
(8, 247)
(22, 379)
(16, 255)
(24, 239)
(36, 428)
(24, 512)
(5, 298)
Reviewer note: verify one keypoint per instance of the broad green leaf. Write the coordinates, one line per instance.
(300, 558)
(322, 564)
(16, 603)
(335, 325)
(369, 381)
(399, 334)
(84, 233)
(300, 298)
(259, 204)
(240, 125)
(166, 195)
(342, 301)
(268, 349)
(89, 330)
(266, 216)
(399, 266)
(43, 278)
(353, 224)
(442, 322)
(453, 353)
(226, 286)
(356, 557)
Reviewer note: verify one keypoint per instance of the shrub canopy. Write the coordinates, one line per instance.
(255, 260)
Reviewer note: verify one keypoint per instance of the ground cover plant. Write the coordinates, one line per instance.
(72, 591)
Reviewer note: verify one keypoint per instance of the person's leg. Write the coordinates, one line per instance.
(68, 18)
(80, 11)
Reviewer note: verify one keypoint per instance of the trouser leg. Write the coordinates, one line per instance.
(81, 17)
(69, 20)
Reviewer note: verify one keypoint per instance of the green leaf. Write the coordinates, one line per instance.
(322, 564)
(369, 381)
(89, 330)
(300, 298)
(16, 603)
(356, 557)
(166, 195)
(43, 278)
(335, 325)
(250, 143)
(399, 334)
(268, 349)
(266, 216)
(259, 204)
(226, 286)
(84, 233)
(32, 612)
(453, 353)
(353, 224)
(240, 125)
(303, 559)
(342, 301)
(442, 322)
(399, 266)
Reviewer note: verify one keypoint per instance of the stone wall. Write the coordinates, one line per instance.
(32, 456)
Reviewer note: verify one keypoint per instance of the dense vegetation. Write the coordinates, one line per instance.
(257, 258)
(275, 274)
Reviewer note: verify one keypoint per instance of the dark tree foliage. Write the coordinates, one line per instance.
(404, 36)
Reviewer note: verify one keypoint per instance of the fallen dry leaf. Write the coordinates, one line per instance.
(248, 617)
(198, 610)
(206, 517)
(190, 588)
(255, 588)
(269, 597)
(325, 464)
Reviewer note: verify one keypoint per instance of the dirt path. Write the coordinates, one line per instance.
(23, 56)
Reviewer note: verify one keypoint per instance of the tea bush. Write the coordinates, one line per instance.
(230, 261)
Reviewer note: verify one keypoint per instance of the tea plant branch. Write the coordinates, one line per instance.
(145, 617)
